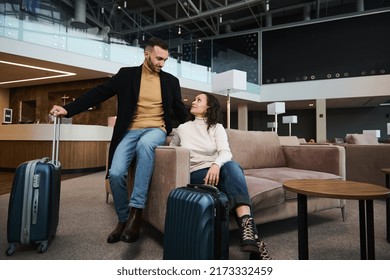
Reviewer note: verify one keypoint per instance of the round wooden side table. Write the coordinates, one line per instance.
(339, 189)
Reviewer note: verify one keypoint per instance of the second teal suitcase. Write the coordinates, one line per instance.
(196, 224)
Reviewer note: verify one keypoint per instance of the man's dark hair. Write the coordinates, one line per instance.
(156, 42)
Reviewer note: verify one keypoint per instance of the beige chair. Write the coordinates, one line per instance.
(171, 169)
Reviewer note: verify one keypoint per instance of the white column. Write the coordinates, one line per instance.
(242, 116)
(321, 120)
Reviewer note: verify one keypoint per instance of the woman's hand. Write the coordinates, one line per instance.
(212, 176)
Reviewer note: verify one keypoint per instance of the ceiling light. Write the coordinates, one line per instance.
(59, 72)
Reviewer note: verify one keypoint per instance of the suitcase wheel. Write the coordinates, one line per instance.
(11, 249)
(42, 248)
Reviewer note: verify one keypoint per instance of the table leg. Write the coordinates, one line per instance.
(388, 208)
(370, 230)
(362, 227)
(366, 222)
(303, 248)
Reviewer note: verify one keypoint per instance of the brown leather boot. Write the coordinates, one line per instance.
(115, 236)
(131, 232)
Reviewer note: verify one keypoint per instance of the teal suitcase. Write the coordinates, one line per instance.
(196, 224)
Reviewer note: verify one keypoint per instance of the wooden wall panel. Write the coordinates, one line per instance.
(57, 94)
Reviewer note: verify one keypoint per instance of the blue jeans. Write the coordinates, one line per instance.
(140, 143)
(231, 182)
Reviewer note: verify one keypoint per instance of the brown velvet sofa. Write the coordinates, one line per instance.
(266, 164)
(364, 162)
(365, 157)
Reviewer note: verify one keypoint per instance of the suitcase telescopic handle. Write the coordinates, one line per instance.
(204, 186)
(56, 141)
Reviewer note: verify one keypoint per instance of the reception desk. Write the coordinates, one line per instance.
(82, 147)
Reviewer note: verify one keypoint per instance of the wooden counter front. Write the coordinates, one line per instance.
(75, 154)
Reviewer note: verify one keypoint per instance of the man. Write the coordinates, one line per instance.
(146, 96)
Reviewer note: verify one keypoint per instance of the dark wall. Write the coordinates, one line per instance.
(354, 120)
(305, 128)
(349, 47)
(339, 122)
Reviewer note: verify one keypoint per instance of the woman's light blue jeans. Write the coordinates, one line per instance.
(140, 143)
(231, 182)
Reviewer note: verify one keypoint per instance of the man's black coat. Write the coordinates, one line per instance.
(126, 86)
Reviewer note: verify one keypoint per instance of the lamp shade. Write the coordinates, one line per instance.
(290, 119)
(275, 108)
(270, 124)
(229, 80)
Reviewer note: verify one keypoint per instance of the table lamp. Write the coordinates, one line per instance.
(275, 109)
(271, 125)
(228, 82)
(290, 120)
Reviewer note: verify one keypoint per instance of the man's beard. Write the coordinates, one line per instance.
(152, 66)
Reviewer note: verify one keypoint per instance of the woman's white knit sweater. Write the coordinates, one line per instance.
(206, 146)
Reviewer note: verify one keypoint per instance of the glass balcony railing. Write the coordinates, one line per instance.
(198, 60)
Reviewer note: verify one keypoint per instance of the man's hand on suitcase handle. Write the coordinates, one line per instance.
(212, 176)
(58, 111)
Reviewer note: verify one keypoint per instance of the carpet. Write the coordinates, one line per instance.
(86, 220)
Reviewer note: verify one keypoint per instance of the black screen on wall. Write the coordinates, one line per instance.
(349, 47)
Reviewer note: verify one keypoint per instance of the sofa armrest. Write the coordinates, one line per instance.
(171, 170)
(323, 158)
(364, 162)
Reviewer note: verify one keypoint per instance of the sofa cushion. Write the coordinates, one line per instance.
(264, 193)
(256, 149)
(362, 139)
(283, 174)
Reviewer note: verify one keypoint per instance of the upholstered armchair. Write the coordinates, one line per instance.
(171, 169)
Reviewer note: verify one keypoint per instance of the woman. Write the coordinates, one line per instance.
(211, 163)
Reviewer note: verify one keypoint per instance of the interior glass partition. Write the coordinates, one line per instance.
(55, 24)
(220, 54)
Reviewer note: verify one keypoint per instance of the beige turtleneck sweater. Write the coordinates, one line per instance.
(149, 111)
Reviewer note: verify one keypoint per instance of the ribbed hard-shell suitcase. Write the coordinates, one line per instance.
(33, 211)
(196, 224)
